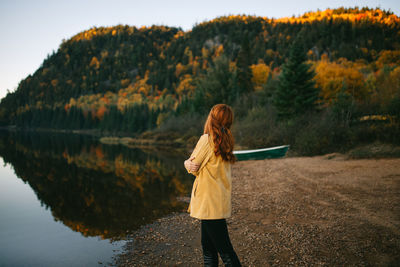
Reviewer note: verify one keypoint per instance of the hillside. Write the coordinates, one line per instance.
(128, 80)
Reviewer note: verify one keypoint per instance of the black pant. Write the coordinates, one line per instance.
(214, 240)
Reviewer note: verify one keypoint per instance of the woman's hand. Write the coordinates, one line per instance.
(191, 166)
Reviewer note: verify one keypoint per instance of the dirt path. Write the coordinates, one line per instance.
(294, 211)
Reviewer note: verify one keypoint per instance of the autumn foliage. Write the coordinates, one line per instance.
(130, 79)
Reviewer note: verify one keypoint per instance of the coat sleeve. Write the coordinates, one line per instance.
(202, 153)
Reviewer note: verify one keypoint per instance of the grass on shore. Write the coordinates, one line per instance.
(375, 150)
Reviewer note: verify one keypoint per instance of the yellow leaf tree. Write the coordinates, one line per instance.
(260, 75)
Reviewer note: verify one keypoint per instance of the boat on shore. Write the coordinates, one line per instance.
(262, 153)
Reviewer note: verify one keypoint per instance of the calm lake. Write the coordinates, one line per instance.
(68, 200)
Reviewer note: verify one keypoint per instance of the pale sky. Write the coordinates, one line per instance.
(32, 29)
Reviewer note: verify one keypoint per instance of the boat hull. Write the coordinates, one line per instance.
(266, 153)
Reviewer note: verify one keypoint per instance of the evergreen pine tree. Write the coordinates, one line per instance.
(243, 62)
(217, 86)
(296, 92)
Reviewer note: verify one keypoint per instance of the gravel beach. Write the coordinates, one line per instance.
(324, 210)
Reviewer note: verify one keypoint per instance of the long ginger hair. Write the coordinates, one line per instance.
(218, 125)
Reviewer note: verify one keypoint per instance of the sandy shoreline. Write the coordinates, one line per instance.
(323, 210)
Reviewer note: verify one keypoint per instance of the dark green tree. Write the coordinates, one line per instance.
(218, 85)
(243, 67)
(343, 107)
(296, 92)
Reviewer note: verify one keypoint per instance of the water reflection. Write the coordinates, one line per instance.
(95, 189)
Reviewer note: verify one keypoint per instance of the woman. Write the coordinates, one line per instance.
(210, 201)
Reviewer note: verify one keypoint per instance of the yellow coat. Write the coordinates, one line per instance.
(211, 193)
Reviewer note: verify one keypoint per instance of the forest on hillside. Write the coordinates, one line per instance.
(150, 81)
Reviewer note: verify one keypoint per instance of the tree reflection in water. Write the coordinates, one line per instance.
(97, 190)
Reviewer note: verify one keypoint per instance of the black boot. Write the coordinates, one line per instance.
(230, 259)
(210, 259)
